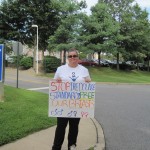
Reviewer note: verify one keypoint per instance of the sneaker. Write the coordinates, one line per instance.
(73, 147)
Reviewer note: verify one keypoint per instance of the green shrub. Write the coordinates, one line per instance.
(26, 62)
(82, 56)
(15, 58)
(51, 63)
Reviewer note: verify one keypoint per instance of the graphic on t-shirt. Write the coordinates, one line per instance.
(73, 78)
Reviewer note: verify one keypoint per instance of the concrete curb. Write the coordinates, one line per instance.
(100, 144)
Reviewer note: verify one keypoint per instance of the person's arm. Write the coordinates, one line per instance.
(87, 77)
(56, 76)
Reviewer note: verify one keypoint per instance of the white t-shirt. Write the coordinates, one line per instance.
(67, 73)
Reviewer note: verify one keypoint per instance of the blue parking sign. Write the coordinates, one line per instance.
(1, 62)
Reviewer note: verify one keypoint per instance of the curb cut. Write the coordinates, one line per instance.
(100, 143)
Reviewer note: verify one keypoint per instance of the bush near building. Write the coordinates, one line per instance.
(26, 62)
(50, 63)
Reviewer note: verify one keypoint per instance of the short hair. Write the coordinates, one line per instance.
(73, 50)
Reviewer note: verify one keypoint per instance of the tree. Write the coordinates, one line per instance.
(66, 36)
(18, 17)
(100, 30)
(116, 9)
(147, 48)
(135, 27)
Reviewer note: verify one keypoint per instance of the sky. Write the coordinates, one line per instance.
(144, 4)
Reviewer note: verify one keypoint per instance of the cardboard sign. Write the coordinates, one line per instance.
(71, 99)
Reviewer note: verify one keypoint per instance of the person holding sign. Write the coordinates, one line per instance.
(72, 72)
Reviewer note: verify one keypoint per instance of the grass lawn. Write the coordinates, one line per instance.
(25, 112)
(111, 75)
(106, 74)
(22, 113)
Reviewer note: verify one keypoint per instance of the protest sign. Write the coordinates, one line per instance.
(71, 99)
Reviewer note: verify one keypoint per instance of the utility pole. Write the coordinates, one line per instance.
(37, 36)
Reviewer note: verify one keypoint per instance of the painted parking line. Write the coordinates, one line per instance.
(41, 88)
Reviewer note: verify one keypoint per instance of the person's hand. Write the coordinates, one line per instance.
(87, 79)
(58, 80)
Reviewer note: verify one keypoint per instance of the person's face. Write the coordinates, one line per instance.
(73, 58)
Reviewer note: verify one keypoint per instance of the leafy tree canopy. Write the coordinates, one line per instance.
(101, 29)
(18, 17)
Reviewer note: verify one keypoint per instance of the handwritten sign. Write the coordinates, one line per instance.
(71, 99)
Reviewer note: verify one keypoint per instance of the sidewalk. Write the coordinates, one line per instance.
(90, 135)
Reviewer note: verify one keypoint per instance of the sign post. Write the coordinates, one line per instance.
(1, 72)
(18, 49)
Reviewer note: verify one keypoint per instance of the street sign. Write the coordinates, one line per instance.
(17, 48)
(1, 62)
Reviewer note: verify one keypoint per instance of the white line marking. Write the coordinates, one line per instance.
(42, 88)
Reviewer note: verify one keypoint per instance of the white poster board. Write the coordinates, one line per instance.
(71, 99)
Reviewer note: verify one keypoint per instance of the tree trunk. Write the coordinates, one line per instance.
(148, 69)
(99, 57)
(118, 61)
(64, 56)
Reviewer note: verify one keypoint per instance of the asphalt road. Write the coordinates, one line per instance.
(124, 113)
(26, 80)
(122, 110)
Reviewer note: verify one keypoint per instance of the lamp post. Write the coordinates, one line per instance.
(36, 26)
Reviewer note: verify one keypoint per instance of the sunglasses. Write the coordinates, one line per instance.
(72, 56)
